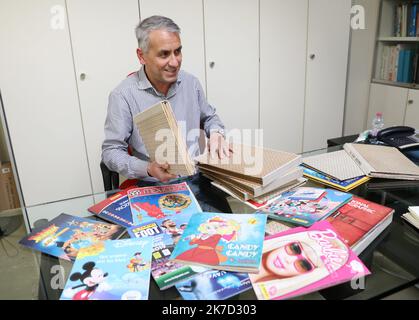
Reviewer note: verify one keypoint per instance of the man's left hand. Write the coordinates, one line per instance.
(218, 146)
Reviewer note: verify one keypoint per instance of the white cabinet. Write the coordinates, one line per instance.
(104, 53)
(40, 101)
(411, 118)
(399, 105)
(282, 72)
(390, 101)
(188, 15)
(327, 59)
(232, 60)
(76, 207)
(58, 69)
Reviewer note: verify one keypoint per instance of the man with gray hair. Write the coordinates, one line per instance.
(160, 78)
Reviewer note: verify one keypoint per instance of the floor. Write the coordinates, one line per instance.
(19, 271)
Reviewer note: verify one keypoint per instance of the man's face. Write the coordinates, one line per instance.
(163, 58)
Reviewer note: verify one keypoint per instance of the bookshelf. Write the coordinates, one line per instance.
(394, 90)
(397, 48)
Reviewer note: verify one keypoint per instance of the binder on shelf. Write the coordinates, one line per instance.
(400, 69)
(412, 22)
(407, 66)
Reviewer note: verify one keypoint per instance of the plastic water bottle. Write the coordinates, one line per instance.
(377, 125)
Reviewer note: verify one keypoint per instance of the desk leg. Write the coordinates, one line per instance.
(46, 278)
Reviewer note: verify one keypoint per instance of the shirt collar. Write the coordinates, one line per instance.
(144, 83)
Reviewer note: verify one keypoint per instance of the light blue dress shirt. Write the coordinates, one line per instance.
(135, 94)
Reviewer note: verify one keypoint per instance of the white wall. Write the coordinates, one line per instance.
(360, 69)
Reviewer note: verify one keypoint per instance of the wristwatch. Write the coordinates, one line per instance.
(220, 131)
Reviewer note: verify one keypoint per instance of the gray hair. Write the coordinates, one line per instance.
(153, 23)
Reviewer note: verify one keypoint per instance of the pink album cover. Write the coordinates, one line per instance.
(304, 260)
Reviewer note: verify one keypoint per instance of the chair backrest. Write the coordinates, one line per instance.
(110, 178)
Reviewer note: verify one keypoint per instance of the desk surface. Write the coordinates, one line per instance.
(393, 257)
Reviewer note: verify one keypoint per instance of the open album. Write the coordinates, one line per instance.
(412, 216)
(357, 160)
(163, 139)
(382, 161)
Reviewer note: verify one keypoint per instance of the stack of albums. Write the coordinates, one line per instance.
(253, 174)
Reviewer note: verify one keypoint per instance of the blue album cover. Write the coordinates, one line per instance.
(115, 209)
(158, 202)
(307, 193)
(224, 241)
(305, 212)
(335, 182)
(214, 285)
(118, 270)
(66, 235)
(166, 233)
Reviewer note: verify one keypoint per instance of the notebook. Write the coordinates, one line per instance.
(163, 139)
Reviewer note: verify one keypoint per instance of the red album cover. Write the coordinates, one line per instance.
(357, 218)
(115, 209)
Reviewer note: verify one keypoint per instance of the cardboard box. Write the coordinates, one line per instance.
(9, 198)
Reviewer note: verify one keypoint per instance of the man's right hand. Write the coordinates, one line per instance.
(159, 171)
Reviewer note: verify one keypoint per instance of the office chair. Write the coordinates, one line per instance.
(110, 178)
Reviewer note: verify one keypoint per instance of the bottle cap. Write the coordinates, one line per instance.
(379, 114)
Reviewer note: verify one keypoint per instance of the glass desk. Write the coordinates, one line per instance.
(393, 257)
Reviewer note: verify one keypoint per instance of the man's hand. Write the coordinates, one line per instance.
(218, 147)
(159, 171)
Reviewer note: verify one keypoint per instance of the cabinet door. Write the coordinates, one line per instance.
(75, 207)
(232, 60)
(40, 101)
(188, 15)
(282, 72)
(390, 101)
(328, 45)
(104, 54)
(412, 110)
